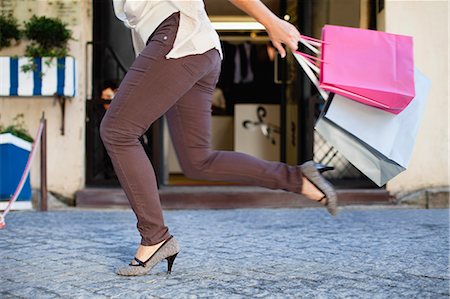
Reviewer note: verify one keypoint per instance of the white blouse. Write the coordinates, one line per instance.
(195, 33)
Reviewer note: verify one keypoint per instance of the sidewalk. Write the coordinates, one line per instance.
(268, 253)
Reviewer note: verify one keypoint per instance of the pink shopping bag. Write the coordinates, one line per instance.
(371, 67)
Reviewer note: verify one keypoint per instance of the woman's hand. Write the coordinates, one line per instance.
(280, 32)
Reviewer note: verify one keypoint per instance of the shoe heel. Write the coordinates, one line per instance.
(170, 261)
(321, 168)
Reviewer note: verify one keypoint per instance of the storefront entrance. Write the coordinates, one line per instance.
(263, 105)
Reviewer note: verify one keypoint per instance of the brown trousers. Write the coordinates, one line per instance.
(182, 90)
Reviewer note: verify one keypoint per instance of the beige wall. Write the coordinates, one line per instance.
(427, 22)
(66, 154)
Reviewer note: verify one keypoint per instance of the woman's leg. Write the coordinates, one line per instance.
(152, 85)
(189, 123)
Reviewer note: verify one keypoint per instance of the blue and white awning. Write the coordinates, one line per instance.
(8, 138)
(52, 75)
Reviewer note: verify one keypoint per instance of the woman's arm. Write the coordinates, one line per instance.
(280, 32)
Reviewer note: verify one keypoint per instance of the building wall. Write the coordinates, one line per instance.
(66, 154)
(427, 22)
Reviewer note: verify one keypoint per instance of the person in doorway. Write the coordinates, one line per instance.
(109, 89)
(175, 75)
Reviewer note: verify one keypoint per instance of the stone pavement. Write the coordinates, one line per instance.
(267, 253)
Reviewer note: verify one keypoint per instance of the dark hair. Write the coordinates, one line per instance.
(109, 84)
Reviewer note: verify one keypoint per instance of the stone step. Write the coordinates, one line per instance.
(227, 197)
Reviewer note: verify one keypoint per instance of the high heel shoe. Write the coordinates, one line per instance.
(321, 168)
(170, 261)
(312, 174)
(168, 250)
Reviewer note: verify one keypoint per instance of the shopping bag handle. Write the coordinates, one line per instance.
(308, 62)
(304, 63)
(311, 58)
(311, 63)
(312, 39)
(311, 43)
(313, 47)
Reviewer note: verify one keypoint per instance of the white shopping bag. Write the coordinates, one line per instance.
(378, 143)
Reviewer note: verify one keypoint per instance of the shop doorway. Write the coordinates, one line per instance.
(111, 56)
(249, 103)
(267, 108)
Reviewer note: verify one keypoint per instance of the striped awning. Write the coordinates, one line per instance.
(51, 76)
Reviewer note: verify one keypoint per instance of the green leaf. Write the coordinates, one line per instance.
(17, 128)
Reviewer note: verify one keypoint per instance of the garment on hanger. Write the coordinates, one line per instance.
(243, 72)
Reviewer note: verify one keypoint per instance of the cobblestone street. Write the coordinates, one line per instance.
(268, 253)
